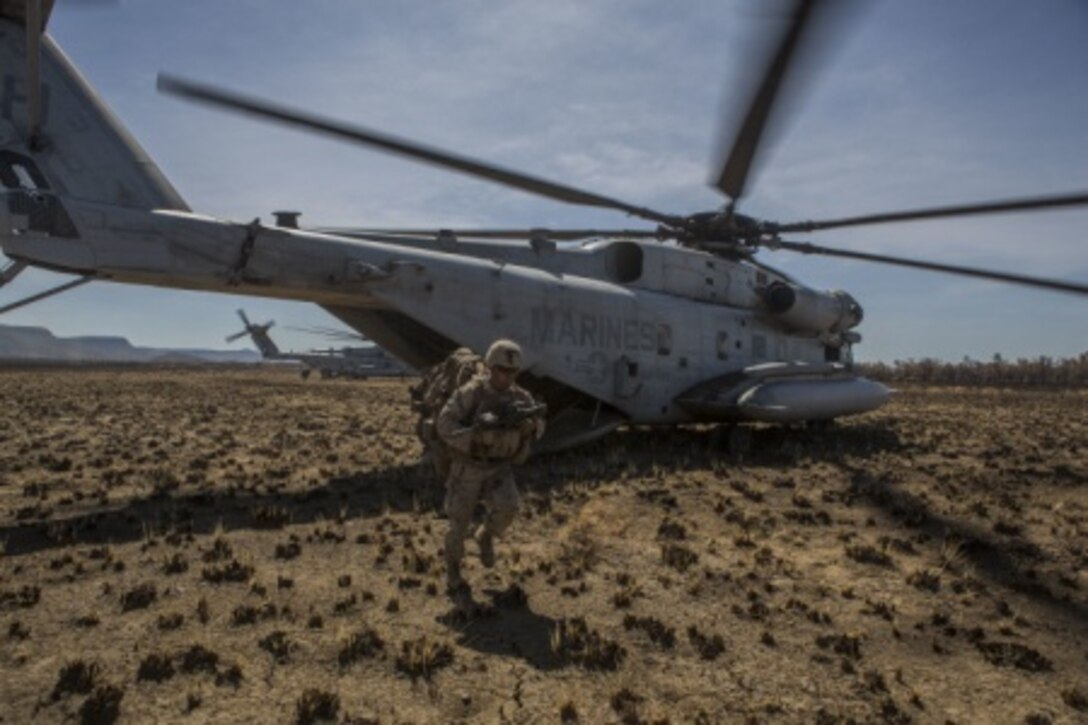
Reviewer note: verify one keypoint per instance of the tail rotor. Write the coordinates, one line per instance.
(251, 330)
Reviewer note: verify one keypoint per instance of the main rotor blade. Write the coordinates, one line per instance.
(336, 331)
(330, 333)
(560, 235)
(991, 207)
(738, 163)
(392, 144)
(245, 320)
(237, 335)
(11, 271)
(1050, 284)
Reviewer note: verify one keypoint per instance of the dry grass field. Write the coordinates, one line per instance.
(244, 546)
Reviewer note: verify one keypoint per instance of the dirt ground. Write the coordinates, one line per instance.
(245, 546)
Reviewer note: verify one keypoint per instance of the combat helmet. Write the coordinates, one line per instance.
(504, 354)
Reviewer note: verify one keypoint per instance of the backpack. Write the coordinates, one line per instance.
(439, 382)
(437, 385)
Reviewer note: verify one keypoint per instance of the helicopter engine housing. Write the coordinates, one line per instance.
(808, 310)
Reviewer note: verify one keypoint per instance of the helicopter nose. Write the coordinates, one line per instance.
(855, 313)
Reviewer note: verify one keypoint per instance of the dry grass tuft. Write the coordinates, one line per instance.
(103, 707)
(271, 517)
(575, 642)
(139, 597)
(233, 571)
(278, 645)
(847, 645)
(678, 556)
(1014, 654)
(660, 634)
(315, 706)
(865, 554)
(176, 564)
(423, 657)
(709, 647)
(156, 667)
(75, 678)
(362, 644)
(198, 659)
(625, 704)
(23, 598)
(1075, 698)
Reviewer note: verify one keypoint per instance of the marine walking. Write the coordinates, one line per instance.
(487, 426)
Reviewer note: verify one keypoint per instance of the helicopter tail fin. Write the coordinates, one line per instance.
(58, 137)
(264, 343)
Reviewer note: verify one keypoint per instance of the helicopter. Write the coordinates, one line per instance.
(358, 362)
(674, 323)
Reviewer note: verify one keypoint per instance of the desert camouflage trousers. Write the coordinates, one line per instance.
(467, 485)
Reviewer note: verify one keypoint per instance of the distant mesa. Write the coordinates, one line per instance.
(39, 344)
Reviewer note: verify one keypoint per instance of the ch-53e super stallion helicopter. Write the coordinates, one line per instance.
(359, 362)
(679, 323)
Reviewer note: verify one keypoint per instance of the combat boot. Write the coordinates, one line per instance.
(454, 580)
(487, 547)
(457, 589)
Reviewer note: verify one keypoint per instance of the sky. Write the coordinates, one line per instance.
(915, 104)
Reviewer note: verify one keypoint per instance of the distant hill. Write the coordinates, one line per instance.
(38, 343)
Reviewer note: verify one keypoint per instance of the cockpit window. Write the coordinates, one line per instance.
(24, 177)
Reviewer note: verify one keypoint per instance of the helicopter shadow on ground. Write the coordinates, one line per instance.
(370, 494)
(1006, 564)
(649, 452)
(663, 453)
(410, 487)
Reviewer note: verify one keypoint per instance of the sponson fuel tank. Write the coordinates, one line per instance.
(785, 392)
(782, 401)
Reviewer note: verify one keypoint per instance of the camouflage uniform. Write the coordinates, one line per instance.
(481, 467)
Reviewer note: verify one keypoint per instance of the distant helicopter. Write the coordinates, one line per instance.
(359, 362)
(672, 324)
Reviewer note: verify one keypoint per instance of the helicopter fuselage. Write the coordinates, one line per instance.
(629, 323)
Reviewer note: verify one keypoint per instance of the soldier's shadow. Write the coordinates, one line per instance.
(502, 625)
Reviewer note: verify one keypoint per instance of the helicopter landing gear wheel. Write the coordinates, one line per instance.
(739, 442)
(735, 440)
(304, 373)
(820, 426)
